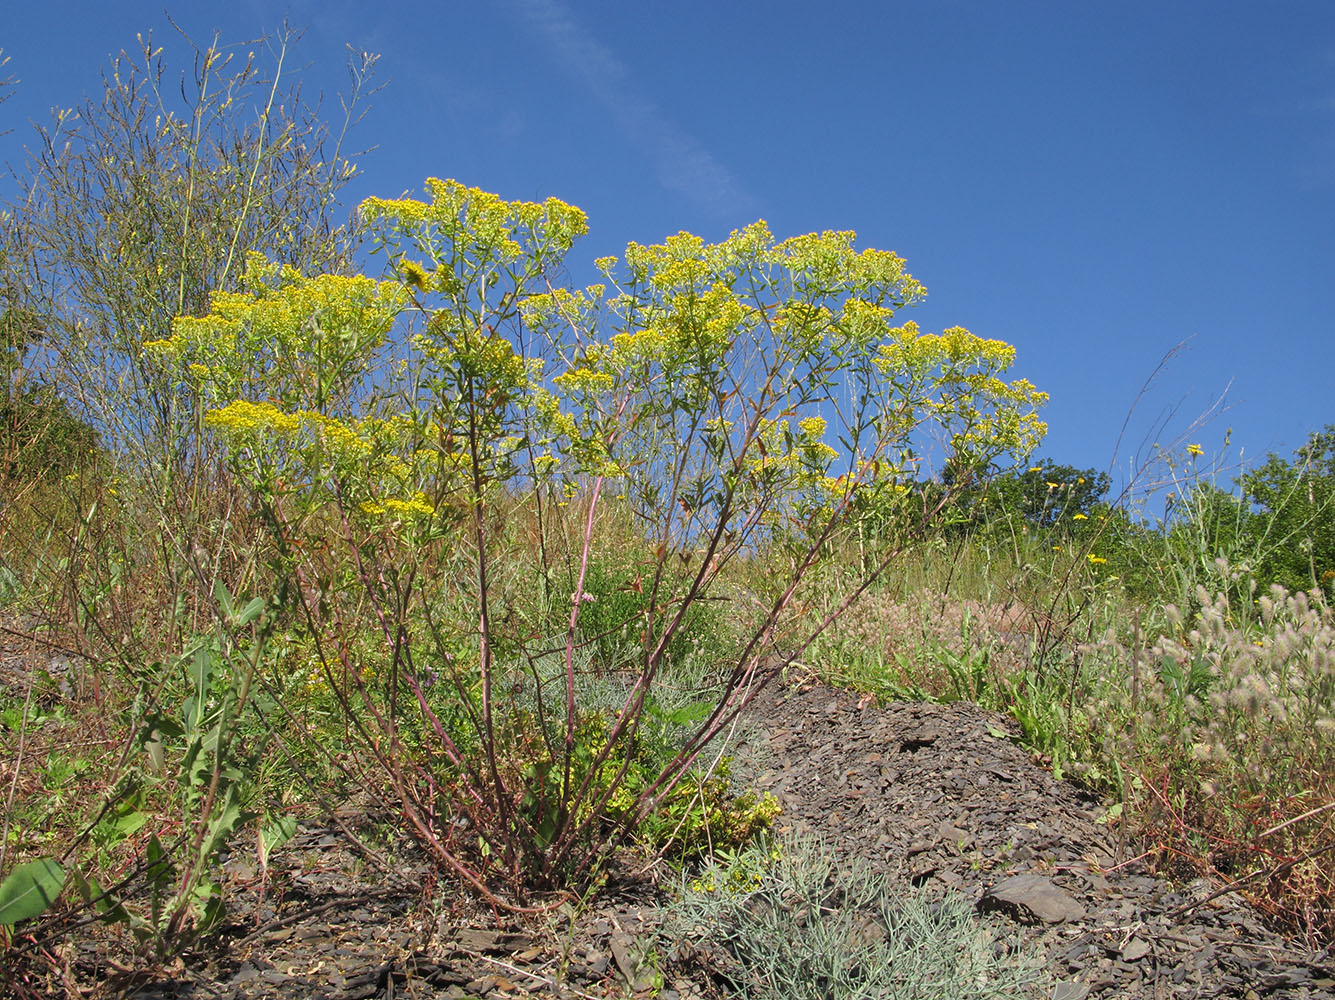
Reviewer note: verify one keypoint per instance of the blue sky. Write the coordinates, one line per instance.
(1091, 182)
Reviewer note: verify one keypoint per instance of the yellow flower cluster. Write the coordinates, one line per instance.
(701, 333)
(415, 274)
(864, 322)
(831, 261)
(562, 308)
(584, 382)
(479, 223)
(918, 352)
(556, 422)
(806, 323)
(242, 417)
(677, 264)
(642, 347)
(415, 505)
(290, 337)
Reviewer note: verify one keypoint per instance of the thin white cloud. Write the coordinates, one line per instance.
(681, 162)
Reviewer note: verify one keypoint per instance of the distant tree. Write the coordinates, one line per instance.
(1291, 520)
(38, 434)
(1044, 495)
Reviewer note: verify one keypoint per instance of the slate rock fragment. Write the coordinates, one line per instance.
(1031, 898)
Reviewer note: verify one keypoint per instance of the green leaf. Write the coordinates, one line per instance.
(226, 819)
(201, 680)
(278, 831)
(130, 823)
(121, 823)
(157, 865)
(194, 766)
(251, 611)
(29, 889)
(224, 598)
(206, 903)
(688, 714)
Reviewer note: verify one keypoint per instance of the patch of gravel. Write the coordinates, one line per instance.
(941, 797)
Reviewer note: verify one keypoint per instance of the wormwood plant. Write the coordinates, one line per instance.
(444, 453)
(794, 923)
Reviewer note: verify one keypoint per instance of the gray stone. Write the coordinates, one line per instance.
(1135, 949)
(1069, 991)
(1029, 897)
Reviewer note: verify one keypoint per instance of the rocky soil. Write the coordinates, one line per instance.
(937, 796)
(941, 797)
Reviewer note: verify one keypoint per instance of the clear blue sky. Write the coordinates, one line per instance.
(1092, 182)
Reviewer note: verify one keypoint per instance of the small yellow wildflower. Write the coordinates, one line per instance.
(1195, 449)
(1079, 517)
(1053, 486)
(1096, 560)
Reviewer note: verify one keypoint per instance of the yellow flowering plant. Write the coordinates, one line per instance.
(705, 400)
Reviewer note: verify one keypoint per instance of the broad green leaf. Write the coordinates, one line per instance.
(159, 727)
(227, 817)
(130, 823)
(194, 766)
(251, 611)
(157, 864)
(201, 673)
(207, 904)
(690, 714)
(277, 832)
(29, 889)
(224, 598)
